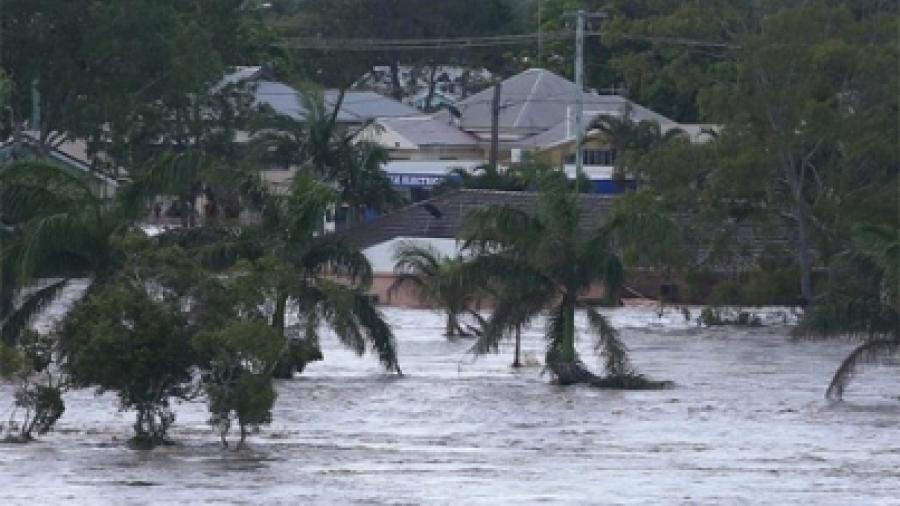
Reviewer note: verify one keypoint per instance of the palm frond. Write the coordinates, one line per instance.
(871, 352)
(35, 302)
(29, 189)
(51, 242)
(417, 267)
(378, 332)
(306, 206)
(608, 344)
(354, 319)
(499, 227)
(335, 256)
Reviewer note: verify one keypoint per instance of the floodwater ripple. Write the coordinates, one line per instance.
(745, 424)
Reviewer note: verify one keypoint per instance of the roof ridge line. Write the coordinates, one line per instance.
(529, 98)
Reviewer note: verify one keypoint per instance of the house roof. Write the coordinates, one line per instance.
(71, 153)
(367, 105)
(748, 243)
(357, 106)
(416, 220)
(429, 131)
(537, 100)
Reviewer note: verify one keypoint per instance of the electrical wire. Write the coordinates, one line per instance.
(374, 45)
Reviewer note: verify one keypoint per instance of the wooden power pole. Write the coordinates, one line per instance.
(495, 126)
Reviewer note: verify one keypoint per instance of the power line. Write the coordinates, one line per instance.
(371, 45)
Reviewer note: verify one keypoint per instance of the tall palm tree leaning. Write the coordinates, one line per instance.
(60, 228)
(550, 261)
(434, 279)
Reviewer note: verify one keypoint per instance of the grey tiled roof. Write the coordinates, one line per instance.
(429, 131)
(357, 106)
(536, 100)
(416, 221)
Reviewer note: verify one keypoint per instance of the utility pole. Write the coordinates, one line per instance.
(35, 106)
(580, 21)
(495, 126)
(579, 96)
(540, 30)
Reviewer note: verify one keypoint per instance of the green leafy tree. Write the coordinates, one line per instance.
(124, 81)
(121, 339)
(283, 263)
(342, 64)
(239, 361)
(803, 153)
(552, 261)
(434, 279)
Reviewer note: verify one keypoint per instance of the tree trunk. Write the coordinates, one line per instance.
(280, 313)
(452, 325)
(431, 85)
(516, 361)
(803, 257)
(568, 351)
(396, 87)
(243, 435)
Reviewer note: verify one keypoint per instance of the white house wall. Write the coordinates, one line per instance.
(381, 256)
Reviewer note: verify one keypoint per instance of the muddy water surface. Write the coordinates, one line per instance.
(746, 424)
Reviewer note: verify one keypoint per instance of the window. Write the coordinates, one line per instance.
(594, 157)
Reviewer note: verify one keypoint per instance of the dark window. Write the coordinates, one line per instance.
(594, 157)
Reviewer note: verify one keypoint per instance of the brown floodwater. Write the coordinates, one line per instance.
(745, 424)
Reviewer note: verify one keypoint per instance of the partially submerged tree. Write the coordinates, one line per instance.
(434, 279)
(121, 339)
(38, 402)
(325, 277)
(553, 261)
(238, 363)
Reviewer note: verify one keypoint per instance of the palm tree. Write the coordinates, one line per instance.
(324, 276)
(550, 261)
(868, 306)
(484, 177)
(62, 228)
(629, 136)
(315, 140)
(363, 182)
(333, 153)
(435, 279)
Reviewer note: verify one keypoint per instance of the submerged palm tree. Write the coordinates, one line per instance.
(325, 277)
(435, 279)
(549, 260)
(867, 303)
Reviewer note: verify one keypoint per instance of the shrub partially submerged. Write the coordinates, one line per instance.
(38, 402)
